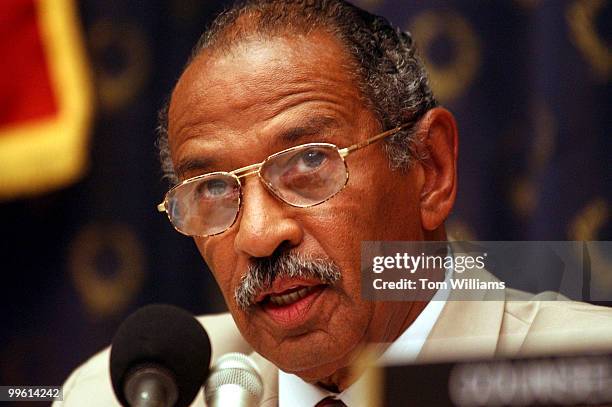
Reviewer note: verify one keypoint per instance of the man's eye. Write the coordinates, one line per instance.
(311, 159)
(214, 188)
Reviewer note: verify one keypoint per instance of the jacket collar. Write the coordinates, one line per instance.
(469, 325)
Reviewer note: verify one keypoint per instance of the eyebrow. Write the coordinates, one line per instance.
(313, 126)
(200, 164)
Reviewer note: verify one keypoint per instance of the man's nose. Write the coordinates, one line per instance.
(264, 223)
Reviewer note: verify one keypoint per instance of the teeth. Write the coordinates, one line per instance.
(291, 297)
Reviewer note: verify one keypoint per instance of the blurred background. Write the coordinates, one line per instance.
(80, 84)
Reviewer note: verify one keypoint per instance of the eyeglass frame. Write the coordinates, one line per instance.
(252, 169)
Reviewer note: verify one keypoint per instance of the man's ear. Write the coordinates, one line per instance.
(438, 145)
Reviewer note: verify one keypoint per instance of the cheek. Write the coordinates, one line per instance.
(218, 254)
(385, 203)
(374, 206)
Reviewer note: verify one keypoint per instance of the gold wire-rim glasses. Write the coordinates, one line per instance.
(255, 169)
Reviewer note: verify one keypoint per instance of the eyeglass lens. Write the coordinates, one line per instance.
(302, 177)
(207, 206)
(305, 176)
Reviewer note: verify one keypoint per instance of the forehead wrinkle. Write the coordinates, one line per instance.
(203, 127)
(285, 104)
(270, 79)
(197, 111)
(314, 125)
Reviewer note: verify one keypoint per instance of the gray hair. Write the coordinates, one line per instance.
(392, 79)
(283, 264)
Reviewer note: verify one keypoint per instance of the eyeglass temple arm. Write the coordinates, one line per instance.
(346, 151)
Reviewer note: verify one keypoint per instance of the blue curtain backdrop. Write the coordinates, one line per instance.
(528, 80)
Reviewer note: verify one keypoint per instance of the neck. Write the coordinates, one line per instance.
(392, 329)
(344, 377)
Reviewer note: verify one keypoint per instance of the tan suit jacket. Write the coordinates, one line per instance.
(510, 323)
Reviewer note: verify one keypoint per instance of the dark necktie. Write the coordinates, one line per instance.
(330, 402)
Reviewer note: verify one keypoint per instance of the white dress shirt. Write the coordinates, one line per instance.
(294, 392)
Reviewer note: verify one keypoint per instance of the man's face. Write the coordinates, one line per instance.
(234, 109)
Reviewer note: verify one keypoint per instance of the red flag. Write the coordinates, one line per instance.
(45, 97)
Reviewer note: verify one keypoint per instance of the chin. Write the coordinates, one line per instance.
(321, 373)
(311, 361)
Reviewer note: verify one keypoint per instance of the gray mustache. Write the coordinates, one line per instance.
(263, 271)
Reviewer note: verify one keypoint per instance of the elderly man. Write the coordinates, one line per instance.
(298, 130)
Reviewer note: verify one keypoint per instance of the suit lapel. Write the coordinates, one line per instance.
(468, 326)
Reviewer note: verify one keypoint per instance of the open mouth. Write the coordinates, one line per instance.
(290, 296)
(290, 307)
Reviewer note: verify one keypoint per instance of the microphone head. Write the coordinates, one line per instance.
(166, 336)
(232, 372)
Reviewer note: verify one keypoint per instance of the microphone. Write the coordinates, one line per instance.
(234, 381)
(159, 357)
